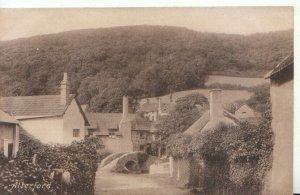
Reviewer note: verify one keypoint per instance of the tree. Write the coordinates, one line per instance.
(139, 60)
(260, 99)
(188, 109)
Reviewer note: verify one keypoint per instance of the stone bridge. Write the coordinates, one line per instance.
(132, 162)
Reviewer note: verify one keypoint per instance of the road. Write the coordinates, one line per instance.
(108, 183)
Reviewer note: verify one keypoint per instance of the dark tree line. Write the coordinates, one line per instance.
(104, 64)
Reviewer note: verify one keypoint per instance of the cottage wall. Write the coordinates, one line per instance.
(73, 119)
(47, 130)
(282, 124)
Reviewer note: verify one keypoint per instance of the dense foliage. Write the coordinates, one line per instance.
(105, 64)
(236, 158)
(188, 109)
(79, 159)
(260, 100)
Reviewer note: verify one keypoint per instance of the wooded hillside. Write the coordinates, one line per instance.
(106, 63)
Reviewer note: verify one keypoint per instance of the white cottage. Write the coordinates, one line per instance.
(53, 119)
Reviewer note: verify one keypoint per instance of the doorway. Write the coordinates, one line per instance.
(10, 150)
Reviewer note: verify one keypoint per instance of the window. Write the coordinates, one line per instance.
(143, 135)
(112, 134)
(75, 132)
(152, 118)
(91, 132)
(141, 148)
(10, 150)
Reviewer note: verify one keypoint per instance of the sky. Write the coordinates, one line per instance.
(18, 23)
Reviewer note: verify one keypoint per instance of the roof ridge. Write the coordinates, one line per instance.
(26, 96)
(41, 105)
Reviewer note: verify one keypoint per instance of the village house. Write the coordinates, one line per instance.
(185, 170)
(121, 132)
(281, 92)
(9, 135)
(152, 111)
(245, 113)
(53, 119)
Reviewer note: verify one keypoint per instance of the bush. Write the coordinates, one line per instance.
(236, 157)
(188, 109)
(28, 145)
(177, 145)
(3, 160)
(79, 159)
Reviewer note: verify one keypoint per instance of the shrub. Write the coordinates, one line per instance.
(28, 145)
(3, 160)
(79, 159)
(236, 157)
(177, 145)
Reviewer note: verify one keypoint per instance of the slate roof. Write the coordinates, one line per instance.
(288, 61)
(6, 118)
(153, 107)
(33, 106)
(25, 107)
(199, 125)
(106, 121)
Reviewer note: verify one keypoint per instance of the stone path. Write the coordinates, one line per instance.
(108, 183)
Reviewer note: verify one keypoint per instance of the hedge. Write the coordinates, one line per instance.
(79, 159)
(236, 157)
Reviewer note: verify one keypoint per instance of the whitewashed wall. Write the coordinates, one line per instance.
(282, 125)
(47, 130)
(73, 119)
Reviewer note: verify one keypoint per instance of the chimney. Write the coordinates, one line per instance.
(125, 107)
(64, 90)
(159, 106)
(215, 104)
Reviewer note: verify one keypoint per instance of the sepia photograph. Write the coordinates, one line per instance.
(147, 101)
